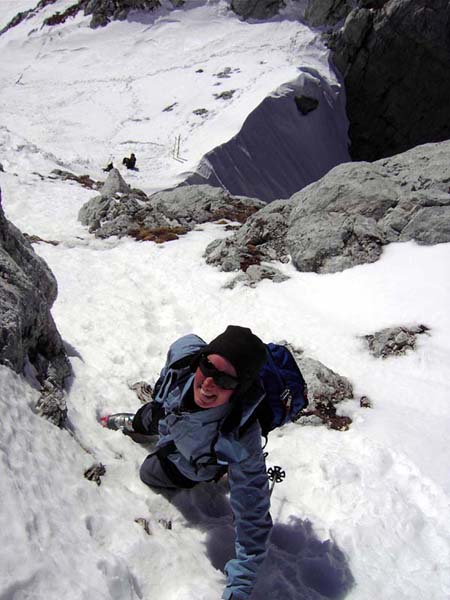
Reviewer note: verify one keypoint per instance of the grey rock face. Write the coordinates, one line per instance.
(27, 292)
(395, 58)
(261, 238)
(186, 206)
(256, 9)
(345, 218)
(327, 12)
(394, 341)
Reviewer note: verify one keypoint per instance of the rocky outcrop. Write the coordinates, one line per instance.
(256, 9)
(395, 59)
(114, 184)
(26, 14)
(345, 218)
(27, 292)
(327, 12)
(84, 180)
(394, 341)
(325, 390)
(121, 211)
(102, 11)
(261, 238)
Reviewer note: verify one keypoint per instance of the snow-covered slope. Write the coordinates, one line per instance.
(153, 86)
(370, 505)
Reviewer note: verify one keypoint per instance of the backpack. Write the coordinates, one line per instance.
(286, 392)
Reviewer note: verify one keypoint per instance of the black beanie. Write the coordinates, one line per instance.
(245, 351)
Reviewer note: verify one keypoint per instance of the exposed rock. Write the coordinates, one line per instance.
(225, 95)
(27, 292)
(395, 58)
(104, 11)
(345, 218)
(168, 213)
(165, 523)
(84, 180)
(52, 404)
(256, 273)
(324, 385)
(327, 12)
(95, 472)
(35, 239)
(114, 184)
(394, 341)
(325, 390)
(27, 14)
(365, 402)
(170, 107)
(305, 104)
(144, 523)
(256, 9)
(2, 170)
(144, 391)
(261, 238)
(59, 18)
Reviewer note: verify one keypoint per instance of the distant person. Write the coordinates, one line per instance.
(203, 411)
(108, 168)
(130, 162)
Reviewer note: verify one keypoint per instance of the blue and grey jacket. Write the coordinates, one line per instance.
(201, 452)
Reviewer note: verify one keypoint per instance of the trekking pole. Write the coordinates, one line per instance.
(276, 475)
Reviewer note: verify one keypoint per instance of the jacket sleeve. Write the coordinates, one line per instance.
(250, 502)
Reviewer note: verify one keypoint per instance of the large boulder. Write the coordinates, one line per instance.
(27, 292)
(395, 59)
(133, 213)
(345, 218)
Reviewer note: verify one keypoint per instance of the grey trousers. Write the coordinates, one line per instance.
(153, 475)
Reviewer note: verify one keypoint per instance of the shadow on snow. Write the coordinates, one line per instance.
(298, 565)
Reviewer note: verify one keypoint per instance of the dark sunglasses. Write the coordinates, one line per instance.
(221, 379)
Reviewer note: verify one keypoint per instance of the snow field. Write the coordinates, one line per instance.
(105, 91)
